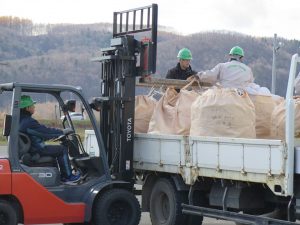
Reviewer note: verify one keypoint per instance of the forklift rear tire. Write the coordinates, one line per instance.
(8, 215)
(117, 206)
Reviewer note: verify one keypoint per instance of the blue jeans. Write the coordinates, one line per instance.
(59, 152)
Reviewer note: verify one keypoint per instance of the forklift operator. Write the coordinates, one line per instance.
(39, 133)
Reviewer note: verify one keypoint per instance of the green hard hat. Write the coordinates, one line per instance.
(26, 101)
(185, 53)
(236, 50)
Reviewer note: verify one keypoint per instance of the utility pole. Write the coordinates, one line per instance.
(276, 47)
(273, 89)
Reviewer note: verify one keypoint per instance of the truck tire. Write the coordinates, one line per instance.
(116, 206)
(8, 215)
(165, 205)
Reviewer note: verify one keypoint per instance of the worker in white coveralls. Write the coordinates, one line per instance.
(231, 74)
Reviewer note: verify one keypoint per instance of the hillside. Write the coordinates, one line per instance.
(62, 54)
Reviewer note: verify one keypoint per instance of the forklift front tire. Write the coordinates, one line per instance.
(8, 215)
(117, 206)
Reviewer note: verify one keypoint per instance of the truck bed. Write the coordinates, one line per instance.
(262, 161)
(250, 160)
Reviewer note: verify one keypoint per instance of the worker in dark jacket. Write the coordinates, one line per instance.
(183, 69)
(39, 133)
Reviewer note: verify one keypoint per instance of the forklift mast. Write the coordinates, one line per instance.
(126, 59)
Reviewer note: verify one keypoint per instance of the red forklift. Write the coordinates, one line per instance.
(30, 188)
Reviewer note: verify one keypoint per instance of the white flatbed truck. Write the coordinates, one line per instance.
(187, 177)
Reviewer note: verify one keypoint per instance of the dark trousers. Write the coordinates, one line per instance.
(59, 152)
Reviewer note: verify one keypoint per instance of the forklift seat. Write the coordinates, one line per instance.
(29, 158)
(42, 168)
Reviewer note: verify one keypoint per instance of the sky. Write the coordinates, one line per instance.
(261, 18)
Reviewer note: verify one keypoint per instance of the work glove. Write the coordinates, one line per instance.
(194, 77)
(68, 131)
(190, 78)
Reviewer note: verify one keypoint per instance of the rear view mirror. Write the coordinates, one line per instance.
(70, 105)
(96, 104)
(6, 125)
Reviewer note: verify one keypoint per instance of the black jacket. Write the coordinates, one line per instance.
(179, 74)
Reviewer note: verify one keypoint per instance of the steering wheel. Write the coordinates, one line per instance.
(66, 132)
(60, 138)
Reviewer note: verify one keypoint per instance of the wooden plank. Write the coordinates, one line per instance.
(158, 82)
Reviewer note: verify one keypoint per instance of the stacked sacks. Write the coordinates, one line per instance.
(278, 120)
(144, 106)
(264, 103)
(277, 99)
(264, 106)
(223, 112)
(172, 114)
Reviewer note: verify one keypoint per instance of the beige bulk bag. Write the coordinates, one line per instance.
(264, 106)
(223, 113)
(144, 106)
(278, 120)
(172, 113)
(277, 99)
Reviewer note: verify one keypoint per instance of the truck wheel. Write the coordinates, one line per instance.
(8, 215)
(165, 205)
(117, 206)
